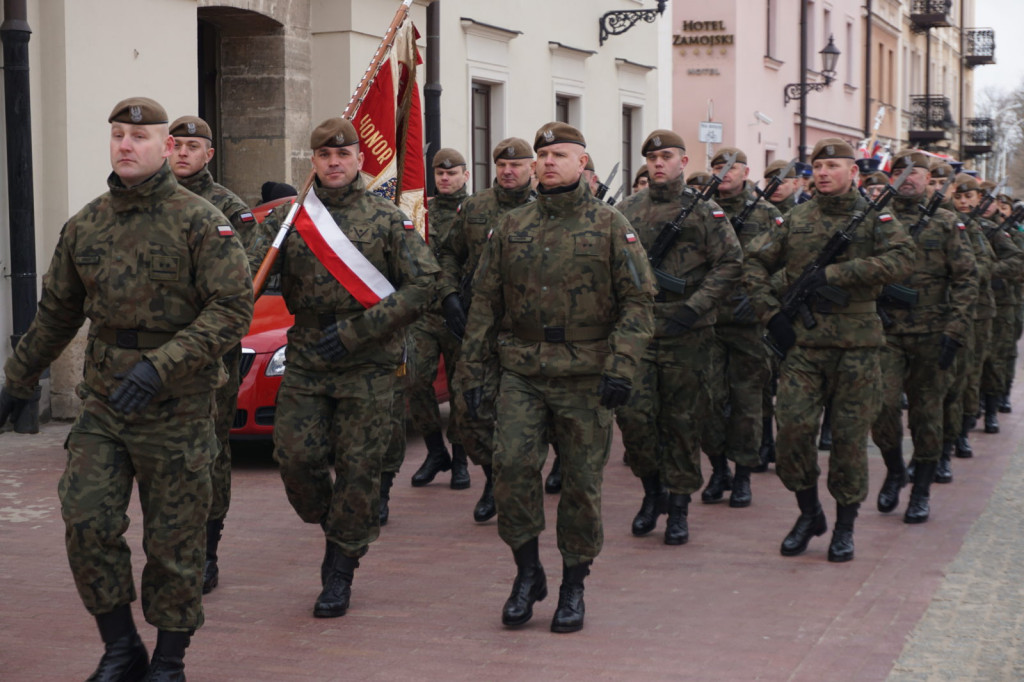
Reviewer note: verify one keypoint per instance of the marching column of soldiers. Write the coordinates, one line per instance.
(703, 313)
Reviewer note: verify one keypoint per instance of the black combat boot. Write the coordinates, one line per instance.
(569, 614)
(720, 481)
(963, 446)
(825, 439)
(810, 523)
(943, 471)
(767, 450)
(654, 504)
(124, 657)
(386, 479)
(340, 570)
(841, 547)
(677, 531)
(211, 574)
(485, 509)
(437, 460)
(740, 496)
(1005, 406)
(991, 413)
(917, 509)
(460, 469)
(529, 586)
(895, 479)
(168, 664)
(553, 483)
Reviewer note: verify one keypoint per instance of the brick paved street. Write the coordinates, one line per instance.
(940, 601)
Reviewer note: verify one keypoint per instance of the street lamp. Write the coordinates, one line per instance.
(829, 58)
(618, 22)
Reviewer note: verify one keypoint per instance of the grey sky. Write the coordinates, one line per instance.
(1006, 17)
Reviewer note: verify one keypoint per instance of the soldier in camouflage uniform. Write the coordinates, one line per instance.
(460, 253)
(339, 383)
(837, 360)
(922, 339)
(785, 195)
(1016, 232)
(166, 288)
(431, 339)
(661, 424)
(562, 300)
(641, 180)
(193, 151)
(732, 431)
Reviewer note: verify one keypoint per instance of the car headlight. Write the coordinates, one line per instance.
(275, 367)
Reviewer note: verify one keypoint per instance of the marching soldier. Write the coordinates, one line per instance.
(641, 180)
(784, 196)
(167, 290)
(562, 297)
(837, 359)
(926, 320)
(460, 253)
(343, 350)
(660, 424)
(193, 151)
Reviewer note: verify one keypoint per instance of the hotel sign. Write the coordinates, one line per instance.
(703, 37)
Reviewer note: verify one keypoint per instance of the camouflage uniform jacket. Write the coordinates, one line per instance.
(1009, 264)
(984, 257)
(707, 253)
(763, 218)
(226, 201)
(786, 205)
(567, 260)
(464, 244)
(945, 275)
(386, 237)
(881, 253)
(151, 258)
(442, 210)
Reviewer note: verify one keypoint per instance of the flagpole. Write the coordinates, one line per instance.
(260, 280)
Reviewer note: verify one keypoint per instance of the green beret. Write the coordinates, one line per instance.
(662, 139)
(775, 167)
(140, 111)
(447, 157)
(876, 178)
(910, 157)
(555, 133)
(191, 126)
(986, 185)
(1004, 198)
(720, 156)
(699, 179)
(512, 148)
(832, 148)
(642, 173)
(334, 132)
(965, 183)
(940, 169)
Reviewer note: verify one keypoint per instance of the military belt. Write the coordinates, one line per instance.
(563, 334)
(320, 320)
(133, 339)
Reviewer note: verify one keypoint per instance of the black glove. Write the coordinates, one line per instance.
(474, 397)
(816, 280)
(744, 310)
(781, 329)
(454, 315)
(11, 406)
(614, 392)
(948, 353)
(138, 387)
(681, 322)
(329, 347)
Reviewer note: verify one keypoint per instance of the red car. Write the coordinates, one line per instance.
(262, 364)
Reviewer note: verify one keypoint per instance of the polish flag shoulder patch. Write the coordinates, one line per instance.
(489, 234)
(779, 220)
(885, 217)
(630, 237)
(961, 226)
(247, 217)
(407, 224)
(225, 230)
(718, 213)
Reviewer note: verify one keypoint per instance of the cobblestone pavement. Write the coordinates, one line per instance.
(939, 601)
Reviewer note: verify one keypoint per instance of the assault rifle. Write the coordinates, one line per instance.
(670, 231)
(795, 299)
(928, 211)
(769, 189)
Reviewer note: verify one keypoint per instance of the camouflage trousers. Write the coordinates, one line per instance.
(733, 427)
(982, 348)
(527, 407)
(771, 387)
(808, 379)
(661, 423)
(347, 416)
(430, 340)
(167, 449)
(477, 435)
(394, 456)
(953, 402)
(226, 398)
(910, 363)
(998, 367)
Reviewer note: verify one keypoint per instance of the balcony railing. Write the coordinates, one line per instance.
(979, 134)
(979, 46)
(930, 118)
(926, 14)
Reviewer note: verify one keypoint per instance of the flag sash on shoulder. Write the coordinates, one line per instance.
(339, 255)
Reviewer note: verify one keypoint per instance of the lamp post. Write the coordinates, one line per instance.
(829, 58)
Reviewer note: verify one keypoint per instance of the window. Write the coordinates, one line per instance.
(627, 151)
(482, 143)
(850, 68)
(769, 39)
(561, 108)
